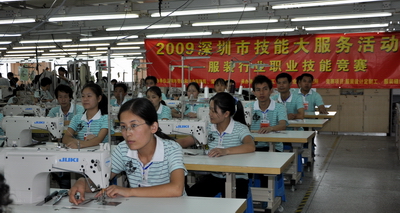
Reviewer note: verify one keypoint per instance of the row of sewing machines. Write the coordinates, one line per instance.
(30, 182)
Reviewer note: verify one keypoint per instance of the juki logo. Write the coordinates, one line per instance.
(39, 122)
(69, 160)
(182, 126)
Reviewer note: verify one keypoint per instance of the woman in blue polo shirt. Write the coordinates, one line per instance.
(227, 135)
(152, 161)
(154, 95)
(91, 126)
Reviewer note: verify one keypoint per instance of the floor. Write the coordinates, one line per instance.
(351, 174)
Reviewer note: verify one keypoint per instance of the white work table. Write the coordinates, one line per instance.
(268, 163)
(319, 115)
(308, 123)
(142, 205)
(297, 138)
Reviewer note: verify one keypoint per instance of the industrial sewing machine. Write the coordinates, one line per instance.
(27, 169)
(197, 128)
(173, 103)
(18, 128)
(34, 110)
(203, 114)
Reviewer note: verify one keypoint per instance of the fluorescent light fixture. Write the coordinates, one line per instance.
(142, 27)
(17, 21)
(45, 41)
(318, 3)
(10, 35)
(178, 34)
(85, 45)
(205, 11)
(33, 47)
(94, 17)
(3, 48)
(344, 27)
(126, 53)
(108, 38)
(19, 55)
(99, 52)
(70, 50)
(281, 30)
(5, 42)
(24, 51)
(118, 48)
(131, 43)
(346, 16)
(51, 54)
(234, 22)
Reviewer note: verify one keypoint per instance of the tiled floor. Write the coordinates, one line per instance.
(351, 174)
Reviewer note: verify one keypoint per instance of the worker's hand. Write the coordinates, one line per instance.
(291, 116)
(72, 145)
(89, 137)
(114, 190)
(217, 152)
(79, 186)
(323, 111)
(264, 130)
(192, 115)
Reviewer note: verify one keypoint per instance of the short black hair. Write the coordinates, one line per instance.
(305, 75)
(220, 81)
(45, 81)
(62, 69)
(122, 85)
(259, 79)
(153, 78)
(64, 88)
(284, 75)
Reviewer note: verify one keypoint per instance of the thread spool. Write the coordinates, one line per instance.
(206, 91)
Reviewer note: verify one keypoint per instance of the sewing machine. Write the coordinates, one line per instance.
(203, 114)
(173, 103)
(35, 110)
(18, 128)
(27, 169)
(197, 128)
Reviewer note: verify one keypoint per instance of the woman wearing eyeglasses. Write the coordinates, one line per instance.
(152, 161)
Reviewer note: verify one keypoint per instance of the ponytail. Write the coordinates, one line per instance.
(226, 102)
(103, 105)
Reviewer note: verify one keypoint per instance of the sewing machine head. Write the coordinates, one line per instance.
(27, 169)
(34, 110)
(18, 128)
(197, 128)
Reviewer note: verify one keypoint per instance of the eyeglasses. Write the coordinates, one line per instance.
(131, 128)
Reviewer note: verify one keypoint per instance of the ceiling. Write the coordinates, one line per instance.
(42, 10)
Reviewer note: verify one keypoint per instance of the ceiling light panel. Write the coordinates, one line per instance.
(118, 48)
(142, 27)
(344, 27)
(70, 50)
(344, 16)
(318, 3)
(108, 38)
(86, 45)
(178, 34)
(205, 11)
(45, 41)
(234, 22)
(17, 21)
(94, 17)
(131, 43)
(33, 47)
(259, 31)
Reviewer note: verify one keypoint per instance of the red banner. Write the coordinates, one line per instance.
(367, 60)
